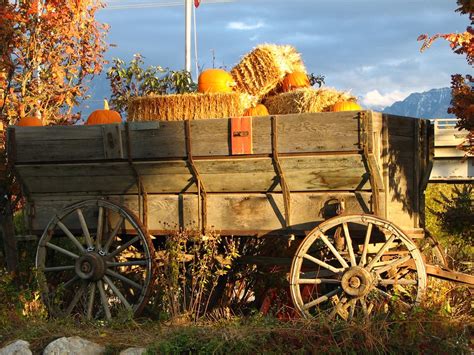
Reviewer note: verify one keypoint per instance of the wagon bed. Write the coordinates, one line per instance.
(183, 174)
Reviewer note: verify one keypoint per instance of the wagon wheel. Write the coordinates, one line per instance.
(355, 265)
(95, 260)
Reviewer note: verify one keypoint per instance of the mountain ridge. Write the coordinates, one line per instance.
(433, 103)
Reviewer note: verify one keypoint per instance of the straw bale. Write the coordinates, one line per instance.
(260, 71)
(305, 100)
(187, 106)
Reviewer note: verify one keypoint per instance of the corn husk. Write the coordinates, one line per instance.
(305, 100)
(260, 71)
(188, 106)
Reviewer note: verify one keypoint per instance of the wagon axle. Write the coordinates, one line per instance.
(91, 266)
(357, 281)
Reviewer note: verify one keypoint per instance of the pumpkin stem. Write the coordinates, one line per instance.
(37, 113)
(106, 104)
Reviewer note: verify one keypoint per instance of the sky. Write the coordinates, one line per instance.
(367, 47)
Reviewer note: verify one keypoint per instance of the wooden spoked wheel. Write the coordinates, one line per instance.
(356, 265)
(95, 260)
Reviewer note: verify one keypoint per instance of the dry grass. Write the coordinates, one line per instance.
(415, 333)
(305, 100)
(260, 71)
(188, 106)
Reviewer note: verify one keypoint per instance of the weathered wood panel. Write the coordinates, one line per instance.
(156, 139)
(230, 213)
(312, 173)
(57, 143)
(401, 161)
(316, 132)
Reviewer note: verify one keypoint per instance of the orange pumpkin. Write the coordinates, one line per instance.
(215, 80)
(346, 106)
(295, 80)
(29, 121)
(259, 110)
(104, 116)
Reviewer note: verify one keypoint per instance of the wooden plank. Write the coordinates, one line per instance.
(400, 126)
(242, 213)
(112, 140)
(157, 139)
(316, 132)
(327, 131)
(210, 137)
(401, 199)
(313, 173)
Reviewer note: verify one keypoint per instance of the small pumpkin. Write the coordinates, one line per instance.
(259, 110)
(215, 80)
(104, 116)
(346, 106)
(29, 121)
(295, 80)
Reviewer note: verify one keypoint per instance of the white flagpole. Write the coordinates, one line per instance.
(188, 5)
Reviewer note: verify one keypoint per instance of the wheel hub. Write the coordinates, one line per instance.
(357, 281)
(90, 266)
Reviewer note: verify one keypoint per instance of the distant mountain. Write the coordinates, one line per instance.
(429, 104)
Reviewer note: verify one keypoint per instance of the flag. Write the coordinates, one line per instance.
(197, 2)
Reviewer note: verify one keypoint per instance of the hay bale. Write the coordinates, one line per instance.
(305, 100)
(187, 106)
(261, 70)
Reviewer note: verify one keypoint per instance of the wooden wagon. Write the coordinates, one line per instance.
(348, 186)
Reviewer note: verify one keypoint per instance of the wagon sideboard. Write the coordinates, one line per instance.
(183, 174)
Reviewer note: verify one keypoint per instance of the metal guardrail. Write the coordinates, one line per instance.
(450, 163)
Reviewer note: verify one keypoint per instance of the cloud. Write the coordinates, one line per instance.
(242, 26)
(375, 99)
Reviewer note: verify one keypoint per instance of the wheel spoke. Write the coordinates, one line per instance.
(380, 253)
(76, 298)
(322, 298)
(127, 263)
(90, 304)
(71, 281)
(318, 281)
(352, 307)
(70, 236)
(103, 299)
(363, 259)
(318, 274)
(85, 229)
(393, 264)
(124, 279)
(390, 297)
(385, 282)
(123, 247)
(62, 250)
(100, 226)
(334, 251)
(112, 235)
(58, 268)
(364, 307)
(349, 244)
(117, 293)
(322, 263)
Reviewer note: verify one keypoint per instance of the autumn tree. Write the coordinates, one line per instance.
(49, 50)
(462, 87)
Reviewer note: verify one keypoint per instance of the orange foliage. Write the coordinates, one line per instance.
(48, 53)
